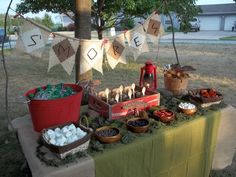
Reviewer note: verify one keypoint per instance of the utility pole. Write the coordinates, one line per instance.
(82, 31)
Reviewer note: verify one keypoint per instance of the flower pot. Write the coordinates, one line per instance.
(176, 86)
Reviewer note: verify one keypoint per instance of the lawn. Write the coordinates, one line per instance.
(230, 38)
(215, 66)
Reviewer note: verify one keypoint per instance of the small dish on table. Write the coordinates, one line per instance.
(107, 134)
(138, 125)
(187, 108)
(164, 115)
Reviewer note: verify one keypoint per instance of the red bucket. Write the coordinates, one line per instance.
(47, 113)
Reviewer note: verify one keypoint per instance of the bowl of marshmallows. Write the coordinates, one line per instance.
(66, 138)
(187, 108)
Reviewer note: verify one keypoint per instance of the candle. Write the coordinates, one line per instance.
(107, 93)
(133, 88)
(143, 91)
(117, 98)
(121, 88)
(130, 94)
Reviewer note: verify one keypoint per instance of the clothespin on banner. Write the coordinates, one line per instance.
(105, 40)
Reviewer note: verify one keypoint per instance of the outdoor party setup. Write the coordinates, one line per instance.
(141, 129)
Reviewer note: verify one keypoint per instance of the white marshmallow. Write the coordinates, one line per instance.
(68, 134)
(65, 129)
(52, 141)
(71, 127)
(57, 130)
(187, 106)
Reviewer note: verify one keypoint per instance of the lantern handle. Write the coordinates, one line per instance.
(155, 77)
(141, 77)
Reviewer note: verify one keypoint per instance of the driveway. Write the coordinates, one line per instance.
(200, 35)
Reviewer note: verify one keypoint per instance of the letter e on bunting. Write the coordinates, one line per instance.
(63, 52)
(137, 41)
(116, 51)
(32, 39)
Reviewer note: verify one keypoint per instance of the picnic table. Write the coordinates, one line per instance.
(184, 150)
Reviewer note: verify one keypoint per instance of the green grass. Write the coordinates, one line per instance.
(229, 38)
(26, 72)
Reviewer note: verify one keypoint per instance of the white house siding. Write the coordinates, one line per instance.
(229, 22)
(209, 22)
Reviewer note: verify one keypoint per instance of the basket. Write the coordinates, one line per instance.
(72, 148)
(48, 113)
(194, 95)
(175, 85)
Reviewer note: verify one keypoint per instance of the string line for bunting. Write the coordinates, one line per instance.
(43, 27)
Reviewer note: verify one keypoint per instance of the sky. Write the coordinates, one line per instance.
(4, 5)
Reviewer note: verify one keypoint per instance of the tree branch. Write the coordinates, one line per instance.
(5, 68)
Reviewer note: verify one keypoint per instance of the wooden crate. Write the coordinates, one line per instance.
(125, 108)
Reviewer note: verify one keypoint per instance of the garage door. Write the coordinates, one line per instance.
(229, 22)
(209, 23)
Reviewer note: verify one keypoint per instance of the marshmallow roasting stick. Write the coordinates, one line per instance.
(133, 88)
(143, 91)
(107, 93)
(117, 97)
(121, 88)
(130, 94)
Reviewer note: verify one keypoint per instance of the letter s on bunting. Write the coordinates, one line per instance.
(32, 40)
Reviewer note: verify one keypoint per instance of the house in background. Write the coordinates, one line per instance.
(64, 20)
(213, 17)
(165, 20)
(217, 17)
(220, 17)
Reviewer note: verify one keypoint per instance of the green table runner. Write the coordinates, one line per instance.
(184, 150)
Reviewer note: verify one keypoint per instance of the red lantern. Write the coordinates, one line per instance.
(148, 77)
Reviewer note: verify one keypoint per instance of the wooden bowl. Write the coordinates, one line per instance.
(188, 111)
(107, 139)
(138, 129)
(164, 118)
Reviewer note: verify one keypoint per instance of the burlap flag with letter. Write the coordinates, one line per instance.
(154, 28)
(91, 55)
(32, 39)
(116, 51)
(137, 41)
(63, 52)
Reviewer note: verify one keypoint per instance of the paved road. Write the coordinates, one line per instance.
(201, 37)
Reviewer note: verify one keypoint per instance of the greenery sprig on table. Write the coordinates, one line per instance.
(95, 146)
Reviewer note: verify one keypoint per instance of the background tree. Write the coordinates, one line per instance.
(185, 10)
(105, 14)
(47, 21)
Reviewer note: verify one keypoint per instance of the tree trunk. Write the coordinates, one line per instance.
(82, 31)
(99, 31)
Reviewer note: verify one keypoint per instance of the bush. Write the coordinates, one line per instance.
(168, 29)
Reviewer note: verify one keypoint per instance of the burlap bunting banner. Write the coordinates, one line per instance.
(63, 52)
(91, 55)
(137, 41)
(32, 39)
(116, 51)
(154, 28)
